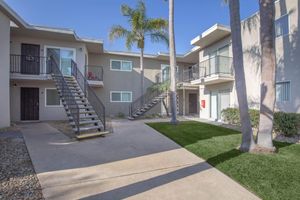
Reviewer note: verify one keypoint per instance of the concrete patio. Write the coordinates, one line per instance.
(135, 162)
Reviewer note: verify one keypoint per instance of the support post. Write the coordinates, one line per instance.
(183, 101)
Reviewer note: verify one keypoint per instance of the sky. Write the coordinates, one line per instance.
(94, 18)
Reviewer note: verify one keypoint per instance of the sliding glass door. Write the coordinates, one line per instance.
(63, 57)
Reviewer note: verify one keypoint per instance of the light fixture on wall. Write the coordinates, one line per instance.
(80, 49)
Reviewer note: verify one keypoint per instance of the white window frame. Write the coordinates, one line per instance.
(121, 61)
(53, 106)
(289, 25)
(60, 48)
(130, 92)
(290, 91)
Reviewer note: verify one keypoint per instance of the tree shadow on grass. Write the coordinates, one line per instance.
(223, 157)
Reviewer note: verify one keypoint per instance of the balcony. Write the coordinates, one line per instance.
(94, 76)
(26, 67)
(214, 70)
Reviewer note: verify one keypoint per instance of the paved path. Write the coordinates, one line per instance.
(135, 162)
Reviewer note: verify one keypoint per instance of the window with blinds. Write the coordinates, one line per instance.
(283, 90)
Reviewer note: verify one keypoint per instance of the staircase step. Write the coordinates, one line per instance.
(91, 135)
(90, 108)
(89, 117)
(87, 122)
(82, 112)
(87, 128)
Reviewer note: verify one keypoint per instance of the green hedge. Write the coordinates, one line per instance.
(286, 123)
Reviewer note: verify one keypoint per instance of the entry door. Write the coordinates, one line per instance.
(30, 59)
(29, 103)
(214, 105)
(193, 103)
(224, 102)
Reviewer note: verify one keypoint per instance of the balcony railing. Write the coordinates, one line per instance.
(218, 65)
(29, 65)
(94, 73)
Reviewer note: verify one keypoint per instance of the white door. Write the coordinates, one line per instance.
(224, 102)
(214, 105)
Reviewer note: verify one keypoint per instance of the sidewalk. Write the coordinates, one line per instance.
(135, 162)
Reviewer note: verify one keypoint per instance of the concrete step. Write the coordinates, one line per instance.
(91, 135)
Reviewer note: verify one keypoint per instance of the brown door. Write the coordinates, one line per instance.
(193, 103)
(29, 103)
(30, 59)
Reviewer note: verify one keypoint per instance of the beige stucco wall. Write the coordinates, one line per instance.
(125, 81)
(17, 40)
(4, 70)
(45, 113)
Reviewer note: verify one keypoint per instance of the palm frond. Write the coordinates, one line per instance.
(160, 36)
(127, 11)
(118, 32)
(156, 24)
(130, 40)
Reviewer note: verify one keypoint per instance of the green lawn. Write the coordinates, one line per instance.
(273, 176)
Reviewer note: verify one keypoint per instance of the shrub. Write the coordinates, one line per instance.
(286, 123)
(232, 116)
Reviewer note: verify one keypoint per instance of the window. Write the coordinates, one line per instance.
(121, 65)
(52, 97)
(283, 91)
(120, 96)
(63, 57)
(165, 72)
(282, 26)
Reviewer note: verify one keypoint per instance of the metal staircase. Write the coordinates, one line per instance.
(84, 109)
(147, 101)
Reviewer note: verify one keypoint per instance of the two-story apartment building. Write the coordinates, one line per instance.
(215, 74)
(30, 91)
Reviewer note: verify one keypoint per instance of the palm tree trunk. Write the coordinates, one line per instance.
(142, 74)
(248, 143)
(172, 63)
(268, 71)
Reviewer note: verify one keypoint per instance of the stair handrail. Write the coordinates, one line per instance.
(89, 93)
(66, 93)
(157, 89)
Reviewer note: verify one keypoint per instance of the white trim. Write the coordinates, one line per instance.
(130, 92)
(51, 106)
(121, 61)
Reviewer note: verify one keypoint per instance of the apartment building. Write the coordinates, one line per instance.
(111, 80)
(215, 75)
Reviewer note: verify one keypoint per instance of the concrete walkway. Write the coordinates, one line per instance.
(135, 162)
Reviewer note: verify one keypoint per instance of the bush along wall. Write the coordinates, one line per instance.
(284, 123)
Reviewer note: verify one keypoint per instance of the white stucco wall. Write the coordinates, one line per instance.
(4, 70)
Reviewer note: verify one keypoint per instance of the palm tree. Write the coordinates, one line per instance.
(268, 70)
(172, 63)
(140, 27)
(248, 142)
